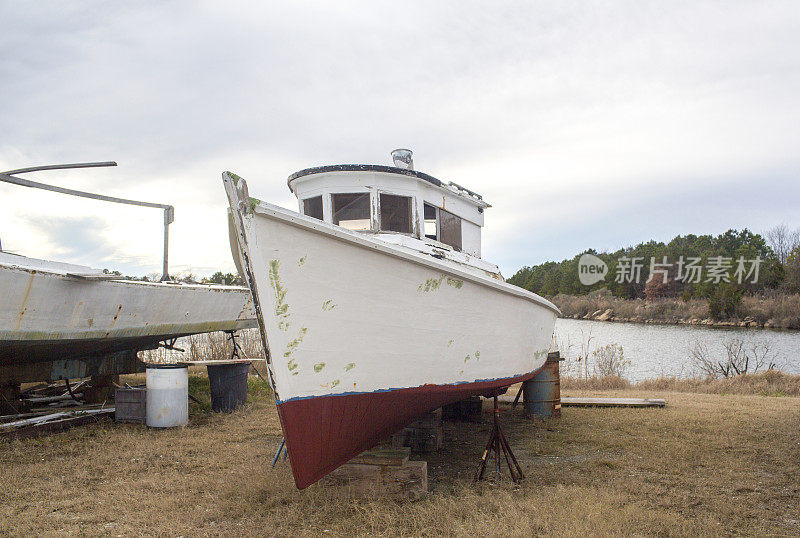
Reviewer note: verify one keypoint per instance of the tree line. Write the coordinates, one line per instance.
(720, 268)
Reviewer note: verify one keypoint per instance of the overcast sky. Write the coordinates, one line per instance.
(584, 124)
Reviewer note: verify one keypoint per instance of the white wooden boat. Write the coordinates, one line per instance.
(63, 321)
(376, 307)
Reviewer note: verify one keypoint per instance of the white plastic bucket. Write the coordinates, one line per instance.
(167, 395)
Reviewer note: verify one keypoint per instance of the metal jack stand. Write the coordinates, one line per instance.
(237, 352)
(497, 444)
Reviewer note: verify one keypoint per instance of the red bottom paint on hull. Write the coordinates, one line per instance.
(325, 432)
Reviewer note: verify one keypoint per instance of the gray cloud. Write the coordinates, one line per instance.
(79, 239)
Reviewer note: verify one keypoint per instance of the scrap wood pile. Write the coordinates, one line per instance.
(50, 407)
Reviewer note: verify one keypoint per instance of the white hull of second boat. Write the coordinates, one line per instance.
(50, 311)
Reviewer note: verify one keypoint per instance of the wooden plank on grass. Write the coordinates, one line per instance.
(568, 401)
(57, 425)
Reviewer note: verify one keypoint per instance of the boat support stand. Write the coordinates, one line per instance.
(499, 444)
(282, 448)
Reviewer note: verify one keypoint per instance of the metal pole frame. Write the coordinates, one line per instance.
(169, 211)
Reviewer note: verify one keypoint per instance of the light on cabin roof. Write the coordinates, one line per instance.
(403, 158)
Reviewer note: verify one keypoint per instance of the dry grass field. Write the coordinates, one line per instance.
(767, 383)
(707, 464)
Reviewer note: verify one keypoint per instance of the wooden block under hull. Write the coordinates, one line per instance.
(468, 410)
(424, 435)
(409, 480)
(396, 456)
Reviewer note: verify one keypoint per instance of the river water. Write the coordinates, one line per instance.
(656, 350)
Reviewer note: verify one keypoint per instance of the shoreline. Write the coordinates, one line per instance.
(778, 311)
(694, 322)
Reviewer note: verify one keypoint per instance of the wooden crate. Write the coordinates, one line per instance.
(130, 405)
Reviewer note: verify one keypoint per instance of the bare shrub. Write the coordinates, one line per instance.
(219, 346)
(575, 355)
(572, 306)
(207, 347)
(583, 356)
(585, 361)
(159, 355)
(787, 312)
(783, 241)
(739, 358)
(761, 309)
(609, 360)
(781, 310)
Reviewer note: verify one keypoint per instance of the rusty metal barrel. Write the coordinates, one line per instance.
(542, 394)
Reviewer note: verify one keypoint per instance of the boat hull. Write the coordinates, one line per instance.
(365, 336)
(49, 316)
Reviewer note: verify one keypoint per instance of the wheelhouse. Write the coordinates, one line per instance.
(392, 200)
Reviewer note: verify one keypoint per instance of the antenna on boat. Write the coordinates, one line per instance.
(169, 211)
(403, 158)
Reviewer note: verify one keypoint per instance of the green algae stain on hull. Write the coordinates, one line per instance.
(281, 306)
(433, 284)
(291, 346)
(283, 315)
(455, 283)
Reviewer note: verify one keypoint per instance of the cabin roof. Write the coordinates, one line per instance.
(380, 168)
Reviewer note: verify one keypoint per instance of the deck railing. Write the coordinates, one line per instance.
(169, 211)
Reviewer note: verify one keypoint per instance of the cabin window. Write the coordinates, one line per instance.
(351, 211)
(429, 224)
(396, 213)
(312, 207)
(450, 229)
